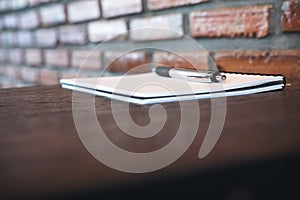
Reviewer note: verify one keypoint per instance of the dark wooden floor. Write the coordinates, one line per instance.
(42, 157)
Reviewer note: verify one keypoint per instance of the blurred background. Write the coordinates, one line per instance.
(43, 41)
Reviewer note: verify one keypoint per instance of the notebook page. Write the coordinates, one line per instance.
(150, 85)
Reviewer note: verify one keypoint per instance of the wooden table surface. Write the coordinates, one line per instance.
(42, 157)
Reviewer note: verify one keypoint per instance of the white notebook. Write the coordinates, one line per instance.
(150, 88)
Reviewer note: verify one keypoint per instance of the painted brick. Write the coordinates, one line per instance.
(11, 21)
(16, 56)
(30, 74)
(8, 6)
(157, 28)
(36, 2)
(122, 62)
(73, 34)
(4, 5)
(18, 4)
(33, 2)
(13, 71)
(286, 62)
(3, 70)
(6, 84)
(120, 7)
(46, 37)
(26, 39)
(188, 60)
(159, 4)
(68, 74)
(106, 30)
(2, 25)
(87, 59)
(291, 15)
(57, 57)
(251, 21)
(80, 74)
(9, 84)
(33, 57)
(9, 38)
(83, 10)
(29, 20)
(52, 15)
(49, 77)
(3, 55)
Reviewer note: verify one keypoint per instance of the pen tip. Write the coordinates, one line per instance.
(221, 77)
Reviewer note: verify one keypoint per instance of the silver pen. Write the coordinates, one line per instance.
(190, 75)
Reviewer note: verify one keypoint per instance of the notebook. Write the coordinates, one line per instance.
(150, 88)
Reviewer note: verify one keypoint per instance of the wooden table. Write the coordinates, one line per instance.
(42, 157)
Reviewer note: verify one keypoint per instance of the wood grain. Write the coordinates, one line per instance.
(42, 157)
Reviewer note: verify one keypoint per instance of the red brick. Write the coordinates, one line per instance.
(251, 21)
(120, 7)
(11, 21)
(46, 37)
(286, 62)
(121, 62)
(159, 4)
(291, 15)
(188, 60)
(87, 59)
(30, 74)
(26, 39)
(16, 56)
(29, 20)
(157, 28)
(33, 57)
(106, 30)
(57, 57)
(49, 77)
(83, 10)
(52, 15)
(73, 34)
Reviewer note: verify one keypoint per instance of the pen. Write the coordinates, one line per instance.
(190, 75)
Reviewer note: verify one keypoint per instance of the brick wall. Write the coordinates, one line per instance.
(45, 40)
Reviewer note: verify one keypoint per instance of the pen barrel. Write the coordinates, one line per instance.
(163, 71)
(177, 73)
(190, 75)
(197, 75)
